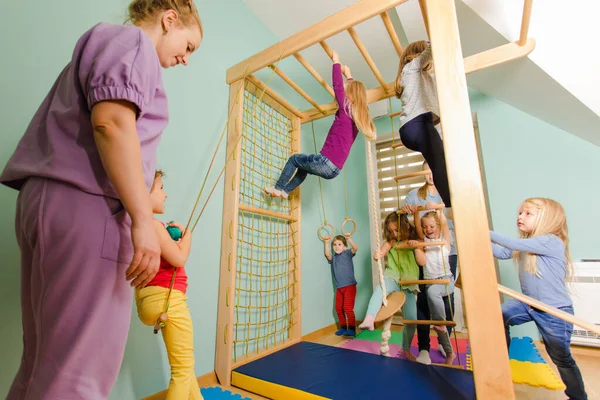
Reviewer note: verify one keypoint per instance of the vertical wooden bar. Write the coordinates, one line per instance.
(223, 359)
(489, 352)
(423, 6)
(295, 199)
(525, 22)
(390, 28)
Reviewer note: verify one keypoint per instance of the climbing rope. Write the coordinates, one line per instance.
(347, 220)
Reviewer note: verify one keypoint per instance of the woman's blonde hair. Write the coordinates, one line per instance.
(550, 219)
(423, 190)
(141, 11)
(411, 52)
(358, 108)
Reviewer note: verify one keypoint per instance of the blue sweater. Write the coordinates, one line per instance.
(548, 285)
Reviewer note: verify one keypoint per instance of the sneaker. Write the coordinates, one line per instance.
(340, 332)
(350, 332)
(424, 358)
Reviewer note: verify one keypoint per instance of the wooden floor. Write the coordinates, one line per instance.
(588, 360)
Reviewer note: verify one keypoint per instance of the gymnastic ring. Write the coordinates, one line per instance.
(344, 224)
(324, 226)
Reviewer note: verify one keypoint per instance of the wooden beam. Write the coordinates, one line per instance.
(366, 56)
(329, 52)
(224, 345)
(423, 7)
(267, 213)
(419, 245)
(314, 73)
(525, 22)
(295, 86)
(412, 175)
(477, 62)
(423, 282)
(549, 309)
(424, 208)
(350, 16)
(295, 237)
(491, 368)
(395, 114)
(392, 32)
(259, 84)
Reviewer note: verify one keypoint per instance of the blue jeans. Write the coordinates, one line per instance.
(409, 309)
(420, 135)
(556, 334)
(302, 165)
(423, 313)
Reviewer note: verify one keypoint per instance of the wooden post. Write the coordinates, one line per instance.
(296, 238)
(223, 360)
(525, 22)
(488, 344)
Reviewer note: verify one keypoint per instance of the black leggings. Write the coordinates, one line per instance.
(420, 135)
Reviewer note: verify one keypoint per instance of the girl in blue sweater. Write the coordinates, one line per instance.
(542, 254)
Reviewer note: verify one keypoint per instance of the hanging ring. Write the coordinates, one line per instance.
(324, 228)
(346, 221)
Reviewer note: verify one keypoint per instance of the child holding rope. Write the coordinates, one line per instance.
(542, 254)
(342, 268)
(415, 87)
(167, 289)
(401, 264)
(352, 116)
(433, 227)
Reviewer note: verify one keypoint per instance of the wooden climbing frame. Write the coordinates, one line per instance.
(491, 367)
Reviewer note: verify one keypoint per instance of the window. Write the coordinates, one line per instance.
(407, 161)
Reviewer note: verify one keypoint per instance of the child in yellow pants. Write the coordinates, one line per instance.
(178, 333)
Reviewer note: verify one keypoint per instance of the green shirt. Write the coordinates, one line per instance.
(401, 264)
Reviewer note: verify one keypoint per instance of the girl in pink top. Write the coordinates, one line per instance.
(352, 116)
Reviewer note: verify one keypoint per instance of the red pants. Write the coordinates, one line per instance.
(344, 303)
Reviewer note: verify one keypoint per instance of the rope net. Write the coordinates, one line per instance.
(266, 271)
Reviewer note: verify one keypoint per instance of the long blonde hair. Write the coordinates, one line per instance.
(358, 108)
(411, 52)
(551, 219)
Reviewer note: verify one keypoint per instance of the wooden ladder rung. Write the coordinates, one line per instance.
(397, 144)
(427, 322)
(419, 245)
(411, 175)
(424, 282)
(424, 208)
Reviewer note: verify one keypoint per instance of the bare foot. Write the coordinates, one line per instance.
(440, 328)
(450, 358)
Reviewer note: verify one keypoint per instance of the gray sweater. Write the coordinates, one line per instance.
(419, 95)
(549, 285)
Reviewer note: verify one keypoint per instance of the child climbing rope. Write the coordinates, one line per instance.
(433, 227)
(151, 300)
(352, 116)
(401, 264)
(542, 254)
(415, 87)
(342, 268)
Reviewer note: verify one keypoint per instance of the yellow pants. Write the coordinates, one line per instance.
(178, 335)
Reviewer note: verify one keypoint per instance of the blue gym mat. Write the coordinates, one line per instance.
(523, 349)
(216, 393)
(338, 373)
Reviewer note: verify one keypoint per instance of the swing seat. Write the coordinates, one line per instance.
(395, 301)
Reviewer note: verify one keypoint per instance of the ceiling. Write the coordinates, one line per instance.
(520, 83)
